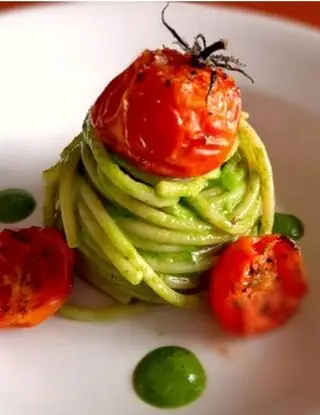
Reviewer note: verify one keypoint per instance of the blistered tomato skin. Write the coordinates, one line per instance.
(36, 275)
(257, 284)
(158, 114)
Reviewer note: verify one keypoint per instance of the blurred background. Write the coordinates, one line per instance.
(304, 12)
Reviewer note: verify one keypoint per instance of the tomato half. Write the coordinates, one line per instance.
(161, 114)
(257, 284)
(36, 275)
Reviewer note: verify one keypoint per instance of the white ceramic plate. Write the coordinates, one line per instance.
(55, 60)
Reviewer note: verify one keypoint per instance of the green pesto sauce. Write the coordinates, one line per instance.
(169, 377)
(15, 205)
(289, 225)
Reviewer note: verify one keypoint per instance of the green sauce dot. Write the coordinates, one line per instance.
(169, 377)
(289, 225)
(15, 205)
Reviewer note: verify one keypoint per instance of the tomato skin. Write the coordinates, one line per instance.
(257, 284)
(155, 113)
(36, 275)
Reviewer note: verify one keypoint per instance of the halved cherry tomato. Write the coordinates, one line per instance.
(159, 115)
(257, 284)
(36, 275)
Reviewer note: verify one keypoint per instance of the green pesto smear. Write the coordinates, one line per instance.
(15, 205)
(169, 377)
(289, 225)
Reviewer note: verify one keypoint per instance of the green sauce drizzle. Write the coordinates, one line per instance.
(289, 225)
(15, 205)
(169, 377)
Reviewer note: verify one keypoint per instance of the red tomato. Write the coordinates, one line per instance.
(257, 284)
(36, 275)
(158, 114)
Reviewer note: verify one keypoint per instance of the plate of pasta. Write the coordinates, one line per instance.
(158, 211)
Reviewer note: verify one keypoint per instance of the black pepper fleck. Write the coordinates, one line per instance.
(251, 270)
(140, 76)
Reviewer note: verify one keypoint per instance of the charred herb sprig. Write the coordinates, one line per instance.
(203, 55)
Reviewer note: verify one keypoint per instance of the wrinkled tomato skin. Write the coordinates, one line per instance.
(36, 275)
(257, 284)
(158, 114)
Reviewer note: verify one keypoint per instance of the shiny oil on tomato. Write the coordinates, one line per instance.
(161, 114)
(36, 275)
(257, 284)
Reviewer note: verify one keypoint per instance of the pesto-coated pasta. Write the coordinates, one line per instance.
(150, 238)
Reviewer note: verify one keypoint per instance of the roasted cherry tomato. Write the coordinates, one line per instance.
(36, 275)
(257, 284)
(162, 114)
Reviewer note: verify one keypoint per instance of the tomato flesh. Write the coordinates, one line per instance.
(159, 115)
(36, 275)
(257, 284)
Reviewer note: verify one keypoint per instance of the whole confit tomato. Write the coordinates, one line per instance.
(36, 275)
(162, 114)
